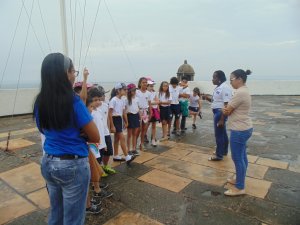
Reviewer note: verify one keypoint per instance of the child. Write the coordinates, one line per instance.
(165, 99)
(94, 94)
(132, 109)
(117, 115)
(184, 95)
(195, 105)
(93, 206)
(174, 90)
(145, 108)
(103, 109)
(155, 110)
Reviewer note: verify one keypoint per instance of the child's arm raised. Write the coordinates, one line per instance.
(83, 92)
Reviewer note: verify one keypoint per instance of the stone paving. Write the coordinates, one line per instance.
(173, 183)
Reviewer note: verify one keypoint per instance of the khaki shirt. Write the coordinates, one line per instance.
(239, 119)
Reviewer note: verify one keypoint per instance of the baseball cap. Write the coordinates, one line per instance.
(120, 86)
(150, 81)
(131, 86)
(79, 84)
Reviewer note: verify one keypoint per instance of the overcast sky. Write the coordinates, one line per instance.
(154, 37)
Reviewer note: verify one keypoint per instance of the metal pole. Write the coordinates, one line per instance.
(64, 27)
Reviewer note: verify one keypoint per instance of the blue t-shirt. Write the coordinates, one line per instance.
(68, 141)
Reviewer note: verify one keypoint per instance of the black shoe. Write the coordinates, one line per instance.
(103, 185)
(94, 209)
(103, 194)
(146, 139)
(96, 201)
(130, 152)
(135, 153)
(200, 115)
(194, 126)
(174, 132)
(130, 160)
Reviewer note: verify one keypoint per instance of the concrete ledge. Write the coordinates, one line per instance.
(25, 97)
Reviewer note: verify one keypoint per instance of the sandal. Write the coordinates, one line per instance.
(214, 158)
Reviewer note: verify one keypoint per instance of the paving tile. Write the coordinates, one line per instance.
(40, 198)
(2, 135)
(273, 114)
(24, 131)
(167, 143)
(272, 163)
(190, 170)
(133, 170)
(270, 212)
(175, 153)
(256, 171)
(12, 205)
(258, 122)
(132, 218)
(34, 218)
(15, 144)
(256, 133)
(252, 158)
(144, 157)
(294, 168)
(284, 177)
(284, 195)
(165, 180)
(24, 179)
(255, 187)
(293, 111)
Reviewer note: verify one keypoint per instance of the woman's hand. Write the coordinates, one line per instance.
(85, 74)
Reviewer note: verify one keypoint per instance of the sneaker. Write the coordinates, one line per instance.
(103, 194)
(153, 143)
(182, 131)
(109, 170)
(164, 139)
(96, 201)
(94, 209)
(135, 153)
(118, 158)
(174, 132)
(130, 152)
(234, 192)
(146, 139)
(194, 126)
(129, 159)
(178, 133)
(104, 174)
(200, 115)
(103, 185)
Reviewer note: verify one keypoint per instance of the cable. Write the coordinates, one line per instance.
(71, 15)
(39, 43)
(82, 34)
(124, 49)
(11, 44)
(92, 32)
(44, 26)
(21, 67)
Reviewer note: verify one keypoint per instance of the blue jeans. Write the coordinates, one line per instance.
(238, 141)
(67, 182)
(220, 135)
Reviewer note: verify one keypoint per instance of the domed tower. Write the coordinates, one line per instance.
(186, 70)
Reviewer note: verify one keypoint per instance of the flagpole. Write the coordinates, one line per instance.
(64, 27)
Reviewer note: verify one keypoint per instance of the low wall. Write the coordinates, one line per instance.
(25, 97)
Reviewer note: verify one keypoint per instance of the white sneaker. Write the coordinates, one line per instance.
(234, 192)
(153, 143)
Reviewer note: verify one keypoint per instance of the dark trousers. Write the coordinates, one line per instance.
(220, 135)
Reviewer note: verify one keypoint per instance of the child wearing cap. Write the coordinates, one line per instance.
(117, 115)
(195, 105)
(155, 110)
(175, 106)
(132, 109)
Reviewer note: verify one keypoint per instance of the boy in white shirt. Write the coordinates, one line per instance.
(175, 106)
(184, 95)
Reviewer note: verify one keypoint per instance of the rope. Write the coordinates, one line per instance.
(98, 7)
(20, 71)
(82, 34)
(71, 15)
(41, 14)
(11, 44)
(39, 43)
(124, 49)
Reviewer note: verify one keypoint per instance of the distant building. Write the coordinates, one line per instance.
(186, 70)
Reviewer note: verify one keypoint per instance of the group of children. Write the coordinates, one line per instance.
(134, 108)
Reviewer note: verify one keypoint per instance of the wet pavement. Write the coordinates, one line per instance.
(172, 183)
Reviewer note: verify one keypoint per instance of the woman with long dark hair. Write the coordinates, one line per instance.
(63, 118)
